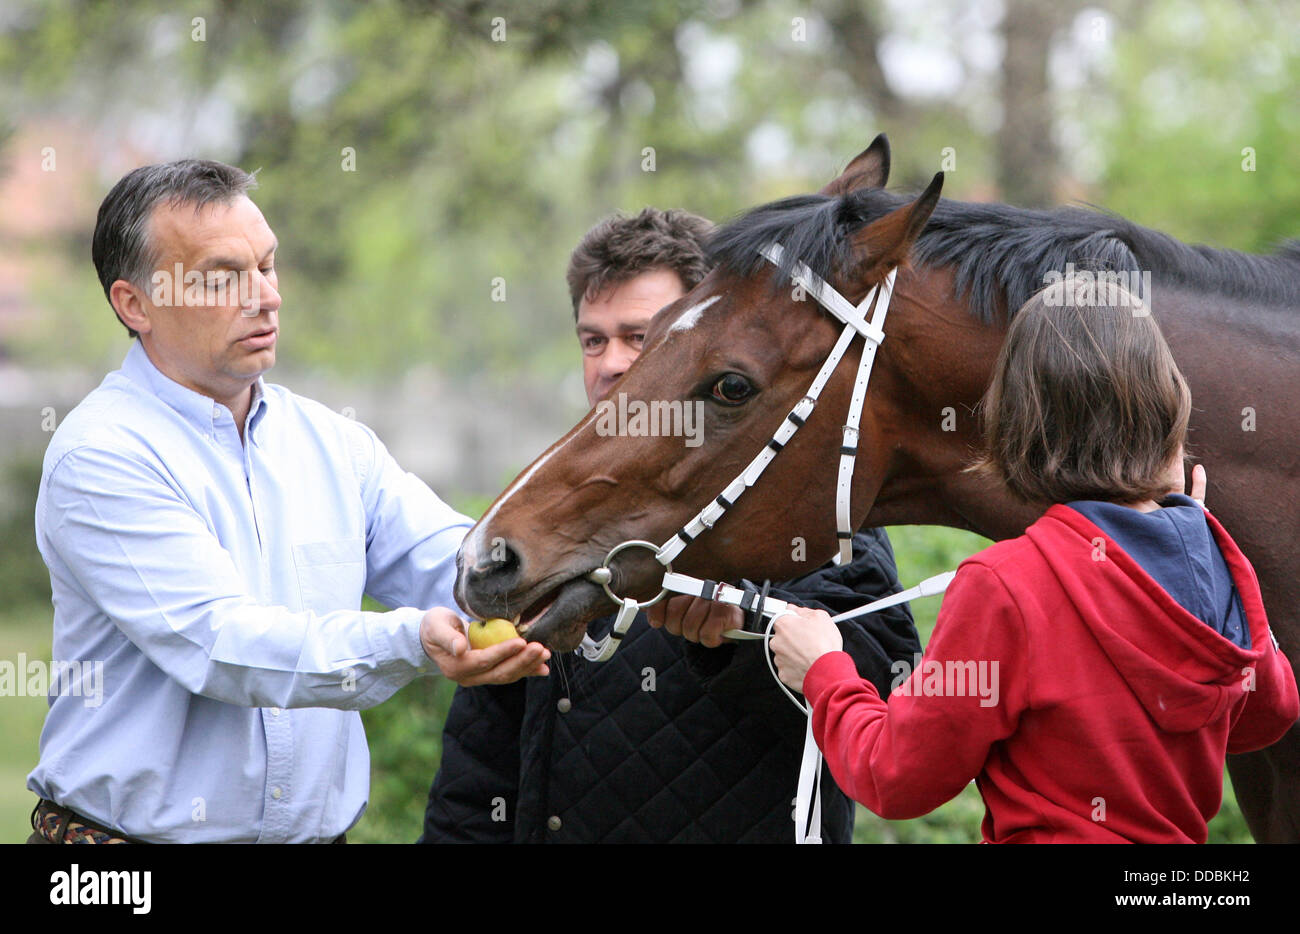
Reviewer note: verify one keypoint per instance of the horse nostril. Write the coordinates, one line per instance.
(501, 566)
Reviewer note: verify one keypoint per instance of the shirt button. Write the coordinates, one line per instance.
(275, 792)
(275, 711)
(553, 822)
(564, 705)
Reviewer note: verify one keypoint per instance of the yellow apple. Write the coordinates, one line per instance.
(485, 632)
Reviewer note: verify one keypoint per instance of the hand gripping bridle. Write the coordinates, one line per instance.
(856, 324)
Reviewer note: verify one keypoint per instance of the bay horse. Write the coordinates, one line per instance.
(744, 343)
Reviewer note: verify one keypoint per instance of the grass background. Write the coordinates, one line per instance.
(406, 743)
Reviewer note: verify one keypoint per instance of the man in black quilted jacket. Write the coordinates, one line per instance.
(680, 737)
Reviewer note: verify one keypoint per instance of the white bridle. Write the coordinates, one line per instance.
(854, 318)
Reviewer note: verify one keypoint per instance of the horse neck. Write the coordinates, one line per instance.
(934, 373)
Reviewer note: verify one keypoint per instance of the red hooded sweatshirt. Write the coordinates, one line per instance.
(1087, 704)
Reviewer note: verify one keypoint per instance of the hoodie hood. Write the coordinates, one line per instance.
(1184, 673)
(1176, 546)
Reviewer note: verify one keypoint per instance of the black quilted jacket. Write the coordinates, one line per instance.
(667, 742)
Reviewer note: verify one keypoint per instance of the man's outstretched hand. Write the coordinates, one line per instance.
(442, 634)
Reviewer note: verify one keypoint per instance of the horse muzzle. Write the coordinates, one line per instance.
(554, 611)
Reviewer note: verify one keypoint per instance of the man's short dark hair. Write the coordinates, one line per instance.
(121, 247)
(1086, 401)
(620, 248)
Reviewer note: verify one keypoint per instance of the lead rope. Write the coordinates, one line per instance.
(808, 797)
(807, 814)
(808, 791)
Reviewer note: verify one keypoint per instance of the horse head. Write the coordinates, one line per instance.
(720, 370)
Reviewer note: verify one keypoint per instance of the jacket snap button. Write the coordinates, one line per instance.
(564, 705)
(553, 823)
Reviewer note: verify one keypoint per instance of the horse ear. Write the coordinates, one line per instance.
(888, 240)
(869, 169)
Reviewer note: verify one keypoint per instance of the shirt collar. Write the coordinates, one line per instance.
(197, 409)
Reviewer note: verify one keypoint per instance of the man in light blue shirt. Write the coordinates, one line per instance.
(209, 538)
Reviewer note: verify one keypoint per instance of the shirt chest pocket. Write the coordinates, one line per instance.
(331, 574)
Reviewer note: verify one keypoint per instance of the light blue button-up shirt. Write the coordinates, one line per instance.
(219, 583)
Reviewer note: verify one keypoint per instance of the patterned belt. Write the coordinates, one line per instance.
(56, 824)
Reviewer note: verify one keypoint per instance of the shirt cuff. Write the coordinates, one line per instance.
(828, 671)
(398, 633)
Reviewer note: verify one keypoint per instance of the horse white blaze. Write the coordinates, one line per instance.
(472, 547)
(691, 316)
(473, 544)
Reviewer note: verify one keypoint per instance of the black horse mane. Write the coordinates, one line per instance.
(999, 252)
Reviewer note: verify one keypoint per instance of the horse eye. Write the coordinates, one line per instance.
(732, 389)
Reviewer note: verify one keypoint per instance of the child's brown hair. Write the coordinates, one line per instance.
(1086, 401)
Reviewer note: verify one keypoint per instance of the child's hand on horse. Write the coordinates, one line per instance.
(696, 619)
(1198, 484)
(799, 639)
(1178, 480)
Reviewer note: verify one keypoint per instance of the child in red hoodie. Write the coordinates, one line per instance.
(1092, 674)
